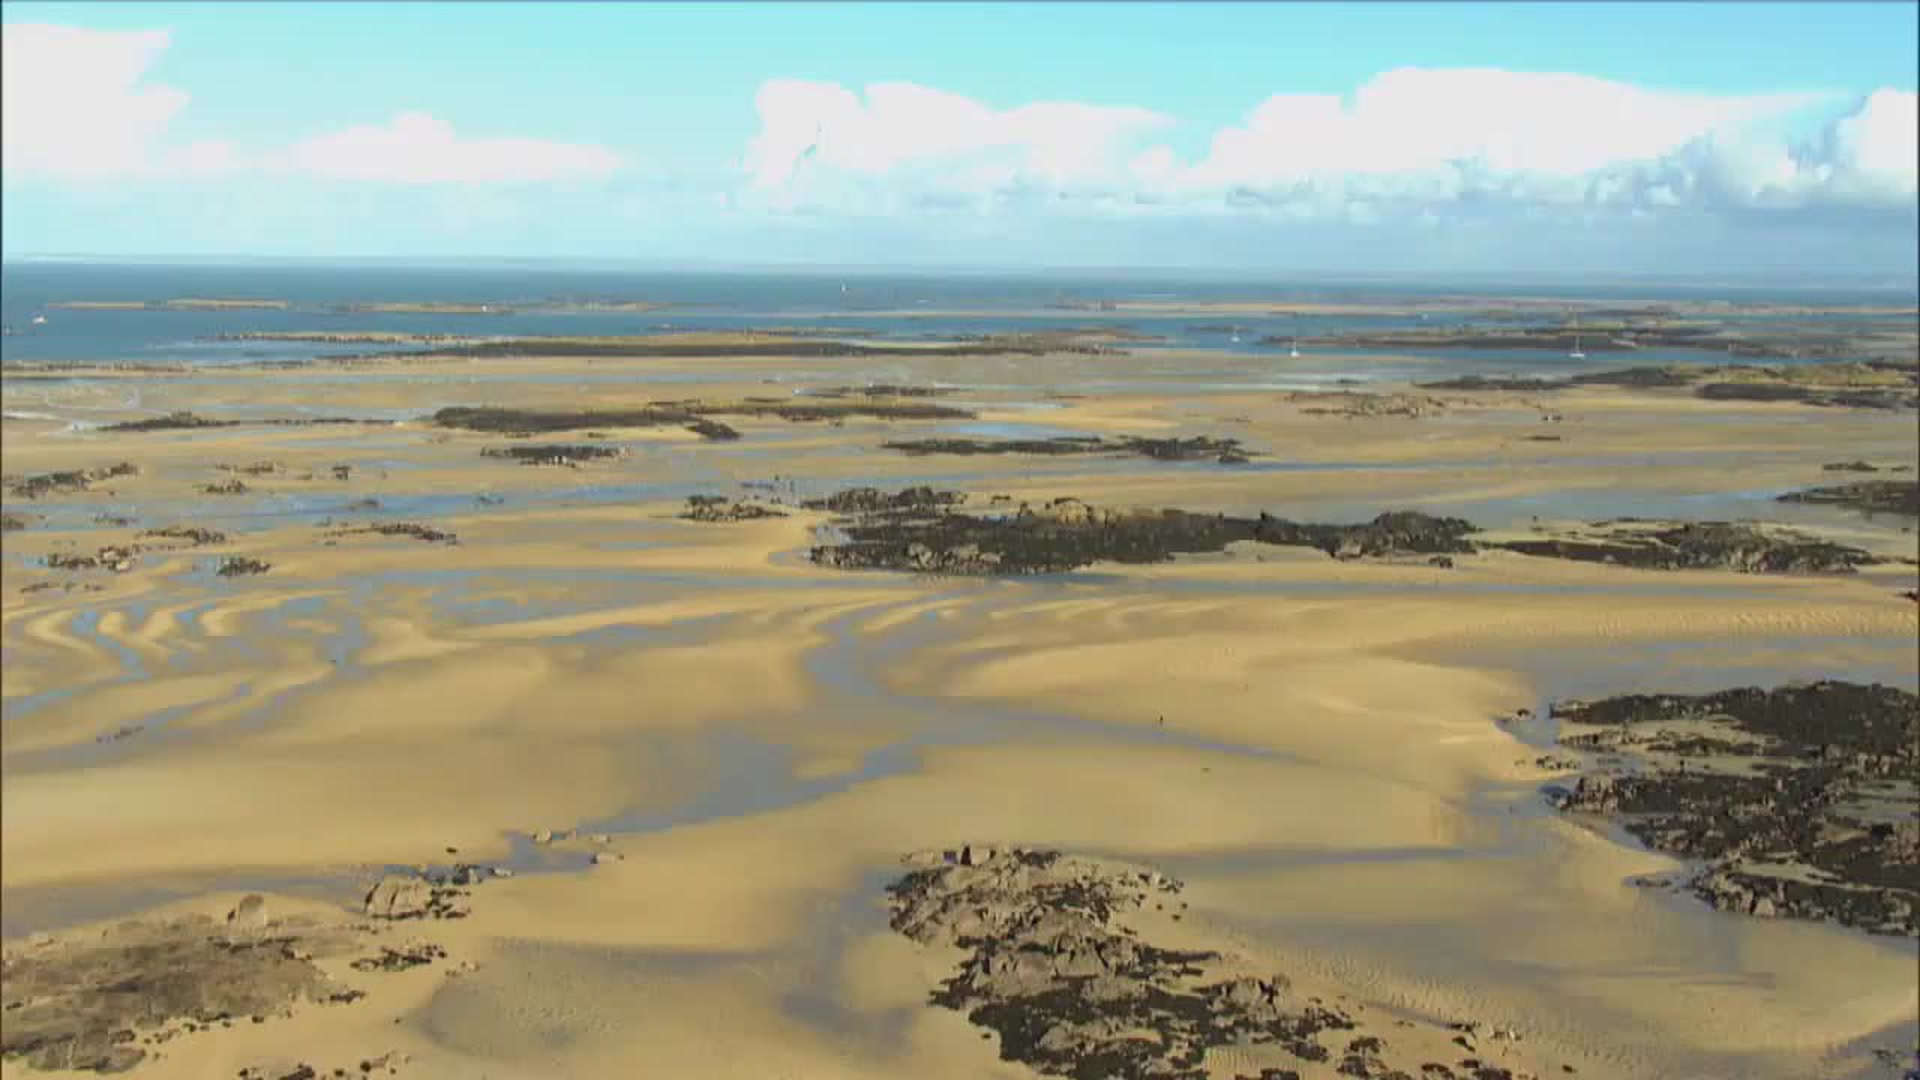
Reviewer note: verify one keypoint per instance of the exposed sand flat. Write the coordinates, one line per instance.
(1310, 744)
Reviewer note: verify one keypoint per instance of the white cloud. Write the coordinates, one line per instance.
(73, 103)
(77, 104)
(415, 148)
(948, 143)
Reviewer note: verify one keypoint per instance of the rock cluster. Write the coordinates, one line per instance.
(66, 483)
(718, 508)
(437, 895)
(1073, 991)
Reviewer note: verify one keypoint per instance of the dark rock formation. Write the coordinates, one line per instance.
(187, 421)
(1195, 448)
(402, 528)
(563, 454)
(1900, 497)
(241, 566)
(918, 530)
(193, 535)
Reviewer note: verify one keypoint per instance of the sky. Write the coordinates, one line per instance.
(1767, 139)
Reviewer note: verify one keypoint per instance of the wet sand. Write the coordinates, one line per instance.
(1310, 744)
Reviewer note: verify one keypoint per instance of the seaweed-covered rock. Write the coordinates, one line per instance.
(918, 530)
(1797, 801)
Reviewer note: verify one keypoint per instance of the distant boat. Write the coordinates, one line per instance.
(1293, 350)
(1576, 354)
(39, 320)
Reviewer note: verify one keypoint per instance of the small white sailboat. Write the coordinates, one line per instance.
(1576, 354)
(1293, 349)
(39, 320)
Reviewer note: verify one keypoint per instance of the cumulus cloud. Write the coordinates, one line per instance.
(78, 104)
(1415, 145)
(951, 146)
(73, 102)
(415, 148)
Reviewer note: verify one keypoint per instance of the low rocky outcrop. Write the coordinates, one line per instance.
(103, 1001)
(192, 535)
(717, 508)
(1355, 404)
(695, 416)
(1054, 970)
(1702, 545)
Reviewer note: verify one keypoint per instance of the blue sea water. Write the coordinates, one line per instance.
(897, 306)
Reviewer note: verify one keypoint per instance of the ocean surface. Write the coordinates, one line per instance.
(867, 305)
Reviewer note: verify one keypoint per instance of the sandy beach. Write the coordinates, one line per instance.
(702, 755)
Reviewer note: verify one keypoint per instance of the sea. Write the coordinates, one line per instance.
(548, 299)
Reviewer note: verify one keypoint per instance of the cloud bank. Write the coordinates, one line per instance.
(1487, 167)
(1409, 143)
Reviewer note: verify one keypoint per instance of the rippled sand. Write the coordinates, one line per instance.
(1310, 744)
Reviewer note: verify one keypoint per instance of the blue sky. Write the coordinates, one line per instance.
(1290, 135)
